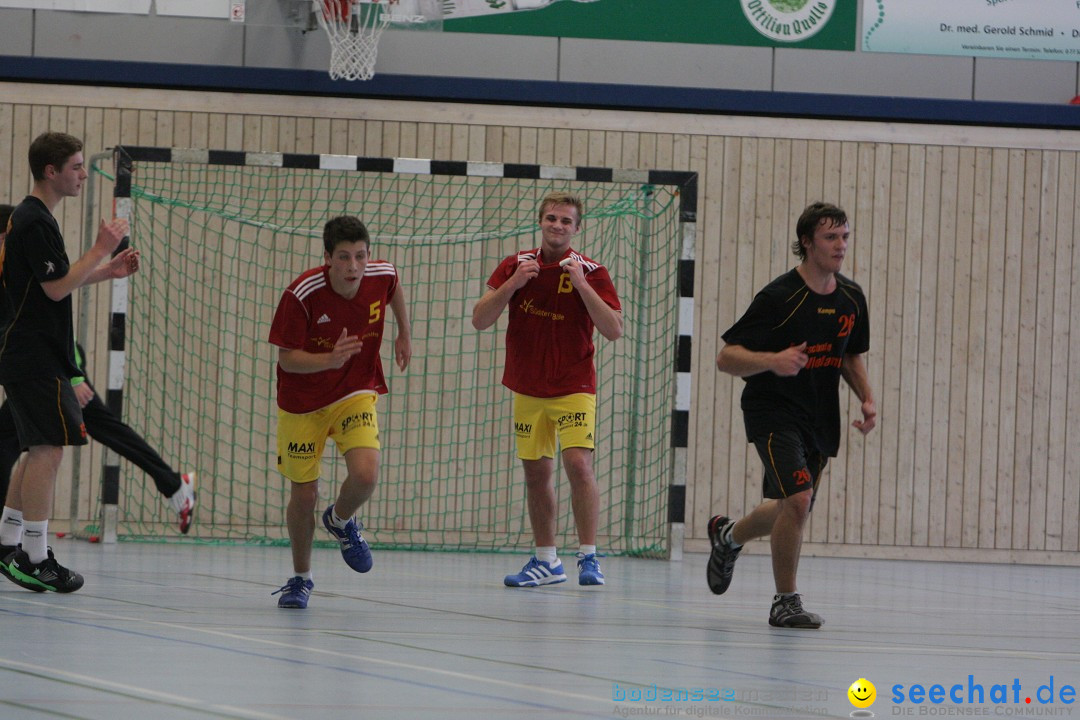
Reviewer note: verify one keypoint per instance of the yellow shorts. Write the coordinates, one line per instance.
(538, 420)
(301, 439)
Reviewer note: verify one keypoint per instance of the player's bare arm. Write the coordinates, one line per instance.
(82, 271)
(738, 361)
(854, 373)
(490, 306)
(303, 362)
(403, 341)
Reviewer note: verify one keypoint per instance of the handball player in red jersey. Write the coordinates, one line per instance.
(557, 297)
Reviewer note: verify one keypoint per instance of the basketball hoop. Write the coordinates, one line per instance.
(354, 35)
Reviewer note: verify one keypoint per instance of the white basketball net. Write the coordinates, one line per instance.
(354, 38)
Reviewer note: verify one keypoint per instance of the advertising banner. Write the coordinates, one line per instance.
(1029, 29)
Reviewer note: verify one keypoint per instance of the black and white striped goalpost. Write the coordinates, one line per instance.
(114, 396)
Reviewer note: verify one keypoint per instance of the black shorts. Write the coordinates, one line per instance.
(790, 466)
(46, 412)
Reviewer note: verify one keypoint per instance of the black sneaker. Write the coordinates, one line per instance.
(6, 553)
(45, 575)
(722, 557)
(788, 612)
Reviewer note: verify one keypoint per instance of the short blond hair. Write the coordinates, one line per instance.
(561, 198)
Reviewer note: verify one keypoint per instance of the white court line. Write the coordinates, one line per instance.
(366, 659)
(97, 683)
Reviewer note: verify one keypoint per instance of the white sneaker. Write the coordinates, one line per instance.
(183, 501)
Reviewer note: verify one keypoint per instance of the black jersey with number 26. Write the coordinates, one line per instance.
(785, 313)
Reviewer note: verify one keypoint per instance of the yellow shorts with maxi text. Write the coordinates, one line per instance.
(537, 422)
(301, 439)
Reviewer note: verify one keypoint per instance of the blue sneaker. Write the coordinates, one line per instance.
(294, 593)
(589, 569)
(354, 548)
(536, 572)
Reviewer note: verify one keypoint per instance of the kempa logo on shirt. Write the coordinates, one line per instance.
(788, 20)
(49, 267)
(324, 319)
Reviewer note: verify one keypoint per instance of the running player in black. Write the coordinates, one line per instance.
(801, 334)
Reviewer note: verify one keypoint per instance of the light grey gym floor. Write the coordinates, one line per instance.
(187, 631)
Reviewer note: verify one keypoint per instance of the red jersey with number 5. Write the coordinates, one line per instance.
(310, 316)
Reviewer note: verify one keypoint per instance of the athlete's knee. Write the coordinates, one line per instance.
(797, 506)
(304, 496)
(578, 465)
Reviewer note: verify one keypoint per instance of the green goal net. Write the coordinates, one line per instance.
(222, 234)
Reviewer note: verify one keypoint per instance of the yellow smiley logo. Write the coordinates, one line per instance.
(862, 693)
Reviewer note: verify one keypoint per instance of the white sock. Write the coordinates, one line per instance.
(547, 554)
(33, 540)
(337, 522)
(11, 527)
(728, 536)
(587, 550)
(305, 575)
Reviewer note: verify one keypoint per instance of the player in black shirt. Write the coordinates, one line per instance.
(803, 332)
(37, 352)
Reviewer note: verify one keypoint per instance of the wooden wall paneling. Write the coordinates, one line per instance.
(1008, 163)
(981, 422)
(200, 130)
(861, 482)
(751, 277)
(613, 147)
(894, 173)
(164, 128)
(1019, 230)
(647, 151)
(728, 450)
(373, 139)
(357, 137)
(181, 136)
(442, 141)
(911, 332)
(968, 253)
(511, 145)
(957, 511)
(703, 474)
(339, 136)
(407, 140)
(1057, 186)
(876, 278)
(926, 401)
(1035, 236)
(630, 149)
(665, 151)
(8, 155)
(234, 131)
(991, 240)
(1070, 393)
(252, 134)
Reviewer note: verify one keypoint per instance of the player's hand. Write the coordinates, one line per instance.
(111, 234)
(788, 362)
(576, 271)
(346, 346)
(83, 393)
(869, 413)
(525, 271)
(124, 264)
(402, 351)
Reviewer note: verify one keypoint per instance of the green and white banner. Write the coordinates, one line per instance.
(824, 24)
(1031, 29)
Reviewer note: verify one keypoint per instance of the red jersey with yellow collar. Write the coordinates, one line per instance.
(549, 340)
(310, 316)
